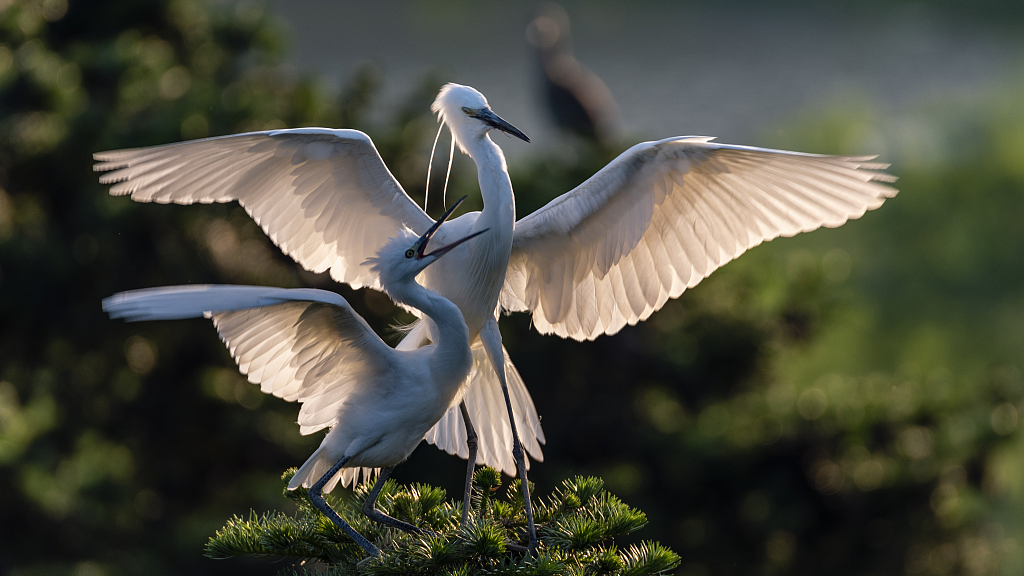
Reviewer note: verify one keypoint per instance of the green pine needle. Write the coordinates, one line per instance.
(648, 558)
(576, 526)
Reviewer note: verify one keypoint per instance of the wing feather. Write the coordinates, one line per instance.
(663, 216)
(303, 345)
(324, 196)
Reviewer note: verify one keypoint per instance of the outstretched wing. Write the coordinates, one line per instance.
(664, 215)
(324, 196)
(303, 345)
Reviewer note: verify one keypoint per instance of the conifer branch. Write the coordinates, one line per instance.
(577, 525)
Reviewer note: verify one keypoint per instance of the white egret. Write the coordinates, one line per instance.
(655, 221)
(309, 345)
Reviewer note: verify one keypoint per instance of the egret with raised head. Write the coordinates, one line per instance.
(309, 345)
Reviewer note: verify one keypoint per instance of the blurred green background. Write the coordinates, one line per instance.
(841, 402)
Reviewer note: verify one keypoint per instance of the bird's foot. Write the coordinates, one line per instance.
(427, 533)
(532, 547)
(516, 548)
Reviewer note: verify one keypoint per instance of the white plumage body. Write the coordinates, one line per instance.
(383, 425)
(309, 346)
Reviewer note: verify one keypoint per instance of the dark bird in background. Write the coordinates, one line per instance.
(579, 102)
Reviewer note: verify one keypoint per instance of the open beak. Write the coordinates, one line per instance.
(446, 248)
(498, 123)
(430, 233)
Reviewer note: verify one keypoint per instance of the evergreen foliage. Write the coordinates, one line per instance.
(577, 525)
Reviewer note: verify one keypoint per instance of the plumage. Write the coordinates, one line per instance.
(310, 346)
(288, 181)
(708, 202)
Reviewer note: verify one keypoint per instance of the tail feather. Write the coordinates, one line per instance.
(311, 470)
(349, 477)
(314, 468)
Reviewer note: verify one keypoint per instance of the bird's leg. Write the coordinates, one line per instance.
(316, 497)
(471, 465)
(491, 338)
(370, 506)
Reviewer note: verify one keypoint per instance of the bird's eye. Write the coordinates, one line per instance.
(467, 110)
(410, 253)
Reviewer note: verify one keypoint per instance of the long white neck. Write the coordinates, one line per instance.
(499, 211)
(474, 282)
(451, 360)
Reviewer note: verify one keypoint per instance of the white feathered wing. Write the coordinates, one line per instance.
(323, 196)
(663, 216)
(303, 345)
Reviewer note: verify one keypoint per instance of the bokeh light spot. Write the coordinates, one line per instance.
(868, 475)
(916, 442)
(780, 546)
(1004, 419)
(780, 397)
(662, 410)
(714, 421)
(30, 19)
(89, 568)
(54, 10)
(141, 354)
(828, 477)
(174, 83)
(812, 403)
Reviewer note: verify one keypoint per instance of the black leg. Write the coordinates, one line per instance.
(491, 338)
(370, 507)
(517, 453)
(471, 465)
(316, 497)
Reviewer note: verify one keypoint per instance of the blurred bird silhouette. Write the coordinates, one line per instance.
(577, 100)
